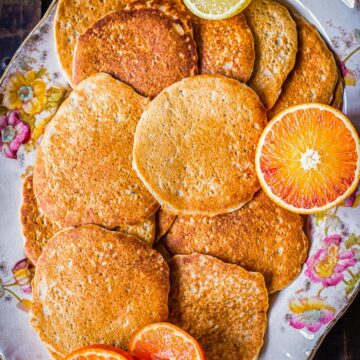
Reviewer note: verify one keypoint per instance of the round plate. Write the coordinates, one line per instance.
(302, 313)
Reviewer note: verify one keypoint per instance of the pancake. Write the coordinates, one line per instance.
(261, 237)
(225, 47)
(275, 38)
(163, 221)
(338, 98)
(175, 8)
(36, 227)
(315, 74)
(154, 48)
(95, 286)
(222, 305)
(144, 232)
(83, 172)
(205, 164)
(72, 18)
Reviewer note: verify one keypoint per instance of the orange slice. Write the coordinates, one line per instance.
(164, 341)
(99, 352)
(307, 158)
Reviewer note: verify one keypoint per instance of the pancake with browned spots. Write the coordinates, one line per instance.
(36, 227)
(154, 48)
(163, 221)
(275, 38)
(95, 286)
(83, 171)
(144, 232)
(261, 237)
(72, 18)
(175, 8)
(208, 128)
(225, 47)
(315, 74)
(222, 305)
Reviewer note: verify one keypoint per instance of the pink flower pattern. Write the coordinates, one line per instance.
(348, 75)
(23, 273)
(13, 133)
(310, 313)
(328, 264)
(352, 199)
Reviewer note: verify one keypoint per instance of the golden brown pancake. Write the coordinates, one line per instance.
(154, 48)
(83, 172)
(315, 74)
(222, 305)
(338, 98)
(225, 47)
(95, 286)
(144, 232)
(275, 38)
(208, 128)
(163, 221)
(174, 8)
(261, 237)
(36, 227)
(72, 18)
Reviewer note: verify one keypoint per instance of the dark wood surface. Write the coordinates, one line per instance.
(17, 18)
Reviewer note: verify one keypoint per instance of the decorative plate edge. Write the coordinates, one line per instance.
(333, 323)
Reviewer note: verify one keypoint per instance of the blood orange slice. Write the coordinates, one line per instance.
(163, 341)
(307, 158)
(99, 352)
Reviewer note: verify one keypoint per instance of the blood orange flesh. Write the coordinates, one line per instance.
(164, 341)
(307, 158)
(99, 352)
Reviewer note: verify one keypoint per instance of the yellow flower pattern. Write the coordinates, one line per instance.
(26, 92)
(325, 268)
(302, 305)
(310, 313)
(29, 96)
(18, 287)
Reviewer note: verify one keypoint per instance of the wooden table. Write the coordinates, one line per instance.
(17, 18)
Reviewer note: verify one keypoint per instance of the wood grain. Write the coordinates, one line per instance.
(17, 18)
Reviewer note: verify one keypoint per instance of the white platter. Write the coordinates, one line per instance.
(300, 315)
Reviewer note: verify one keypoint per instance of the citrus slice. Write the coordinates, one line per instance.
(307, 158)
(216, 9)
(99, 352)
(164, 341)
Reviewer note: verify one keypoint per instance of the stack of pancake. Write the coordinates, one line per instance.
(150, 162)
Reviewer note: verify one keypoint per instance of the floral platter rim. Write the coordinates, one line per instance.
(21, 264)
(318, 343)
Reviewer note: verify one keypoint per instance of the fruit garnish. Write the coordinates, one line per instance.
(164, 341)
(307, 158)
(99, 352)
(215, 9)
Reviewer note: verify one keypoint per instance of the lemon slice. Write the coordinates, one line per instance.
(216, 9)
